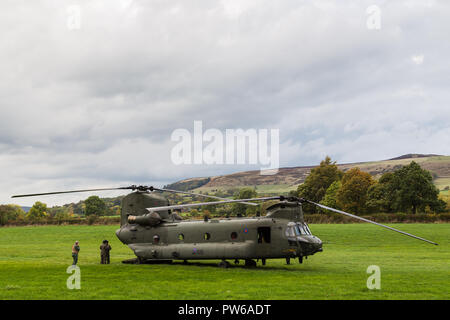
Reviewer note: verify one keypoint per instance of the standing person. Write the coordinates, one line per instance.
(75, 250)
(104, 252)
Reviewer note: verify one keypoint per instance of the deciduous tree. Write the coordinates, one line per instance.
(10, 212)
(352, 195)
(94, 206)
(318, 181)
(380, 196)
(330, 198)
(414, 189)
(37, 211)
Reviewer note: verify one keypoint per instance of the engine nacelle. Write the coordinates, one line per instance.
(149, 219)
(136, 204)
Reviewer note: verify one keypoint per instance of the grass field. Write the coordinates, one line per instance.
(33, 262)
(442, 183)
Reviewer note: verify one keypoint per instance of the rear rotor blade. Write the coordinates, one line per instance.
(370, 221)
(71, 191)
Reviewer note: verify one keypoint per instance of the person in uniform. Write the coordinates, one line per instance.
(75, 250)
(104, 252)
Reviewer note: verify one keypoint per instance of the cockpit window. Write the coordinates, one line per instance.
(307, 229)
(297, 229)
(303, 228)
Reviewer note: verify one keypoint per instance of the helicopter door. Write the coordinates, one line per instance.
(263, 245)
(264, 235)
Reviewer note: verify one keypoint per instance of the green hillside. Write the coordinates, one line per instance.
(289, 178)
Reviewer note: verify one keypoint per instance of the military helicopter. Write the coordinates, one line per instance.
(154, 231)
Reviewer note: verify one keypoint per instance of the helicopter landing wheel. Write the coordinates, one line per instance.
(288, 260)
(263, 261)
(300, 259)
(236, 261)
(224, 264)
(250, 263)
(185, 262)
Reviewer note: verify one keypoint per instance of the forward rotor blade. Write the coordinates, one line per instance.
(201, 195)
(181, 206)
(72, 191)
(370, 221)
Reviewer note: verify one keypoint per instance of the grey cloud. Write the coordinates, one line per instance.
(97, 105)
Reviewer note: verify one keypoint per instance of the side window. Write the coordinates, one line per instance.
(289, 232)
(207, 236)
(155, 239)
(181, 237)
(286, 232)
(234, 235)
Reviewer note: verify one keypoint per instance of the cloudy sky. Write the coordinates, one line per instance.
(91, 91)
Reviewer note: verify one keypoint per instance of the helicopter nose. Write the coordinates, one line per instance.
(317, 244)
(310, 244)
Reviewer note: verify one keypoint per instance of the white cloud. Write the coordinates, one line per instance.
(417, 59)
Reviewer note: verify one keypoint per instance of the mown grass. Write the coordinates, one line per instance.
(33, 262)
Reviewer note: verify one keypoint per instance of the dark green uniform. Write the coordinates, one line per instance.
(104, 253)
(75, 250)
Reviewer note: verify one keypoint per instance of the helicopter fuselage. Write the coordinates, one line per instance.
(281, 233)
(254, 238)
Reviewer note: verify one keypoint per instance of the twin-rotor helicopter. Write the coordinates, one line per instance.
(151, 227)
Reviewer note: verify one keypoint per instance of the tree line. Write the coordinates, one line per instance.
(93, 206)
(409, 189)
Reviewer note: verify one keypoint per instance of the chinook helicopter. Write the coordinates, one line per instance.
(151, 227)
